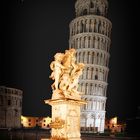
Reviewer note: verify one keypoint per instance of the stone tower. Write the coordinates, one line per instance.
(90, 35)
(10, 107)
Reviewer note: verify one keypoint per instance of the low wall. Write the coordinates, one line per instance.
(38, 134)
(25, 134)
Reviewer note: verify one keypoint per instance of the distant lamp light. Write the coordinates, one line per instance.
(113, 121)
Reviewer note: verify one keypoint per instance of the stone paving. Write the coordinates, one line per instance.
(104, 138)
(108, 138)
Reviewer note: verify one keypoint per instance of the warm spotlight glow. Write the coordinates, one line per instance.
(24, 121)
(28, 122)
(113, 121)
(46, 122)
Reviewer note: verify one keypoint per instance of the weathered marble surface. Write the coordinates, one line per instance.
(65, 118)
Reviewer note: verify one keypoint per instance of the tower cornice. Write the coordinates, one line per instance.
(93, 81)
(89, 34)
(91, 17)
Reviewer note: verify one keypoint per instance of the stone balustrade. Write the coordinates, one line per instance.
(90, 23)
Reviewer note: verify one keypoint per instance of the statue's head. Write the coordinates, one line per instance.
(71, 51)
(59, 56)
(81, 65)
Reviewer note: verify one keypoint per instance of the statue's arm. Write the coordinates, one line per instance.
(52, 75)
(52, 65)
(61, 66)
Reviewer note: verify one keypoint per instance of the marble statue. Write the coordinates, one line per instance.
(66, 100)
(66, 73)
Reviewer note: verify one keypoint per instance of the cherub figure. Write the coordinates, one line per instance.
(64, 82)
(66, 73)
(75, 74)
(57, 68)
(69, 58)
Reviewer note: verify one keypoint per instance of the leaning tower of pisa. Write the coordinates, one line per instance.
(90, 35)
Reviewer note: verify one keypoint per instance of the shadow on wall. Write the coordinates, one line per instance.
(24, 134)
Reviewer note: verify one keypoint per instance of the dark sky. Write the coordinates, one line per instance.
(34, 30)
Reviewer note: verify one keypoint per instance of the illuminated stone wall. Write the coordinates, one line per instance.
(10, 107)
(30, 122)
(90, 35)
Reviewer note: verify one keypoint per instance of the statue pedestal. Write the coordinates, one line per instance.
(65, 119)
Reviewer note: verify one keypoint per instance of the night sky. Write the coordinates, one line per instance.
(32, 31)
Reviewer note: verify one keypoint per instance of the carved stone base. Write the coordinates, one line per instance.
(63, 139)
(65, 119)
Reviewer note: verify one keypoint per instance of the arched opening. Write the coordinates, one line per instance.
(86, 93)
(85, 12)
(101, 59)
(86, 42)
(98, 12)
(91, 85)
(79, 59)
(76, 43)
(99, 27)
(91, 5)
(92, 69)
(83, 58)
(95, 89)
(89, 58)
(97, 58)
(81, 87)
(93, 57)
(77, 30)
(82, 26)
(96, 77)
(9, 102)
(99, 90)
